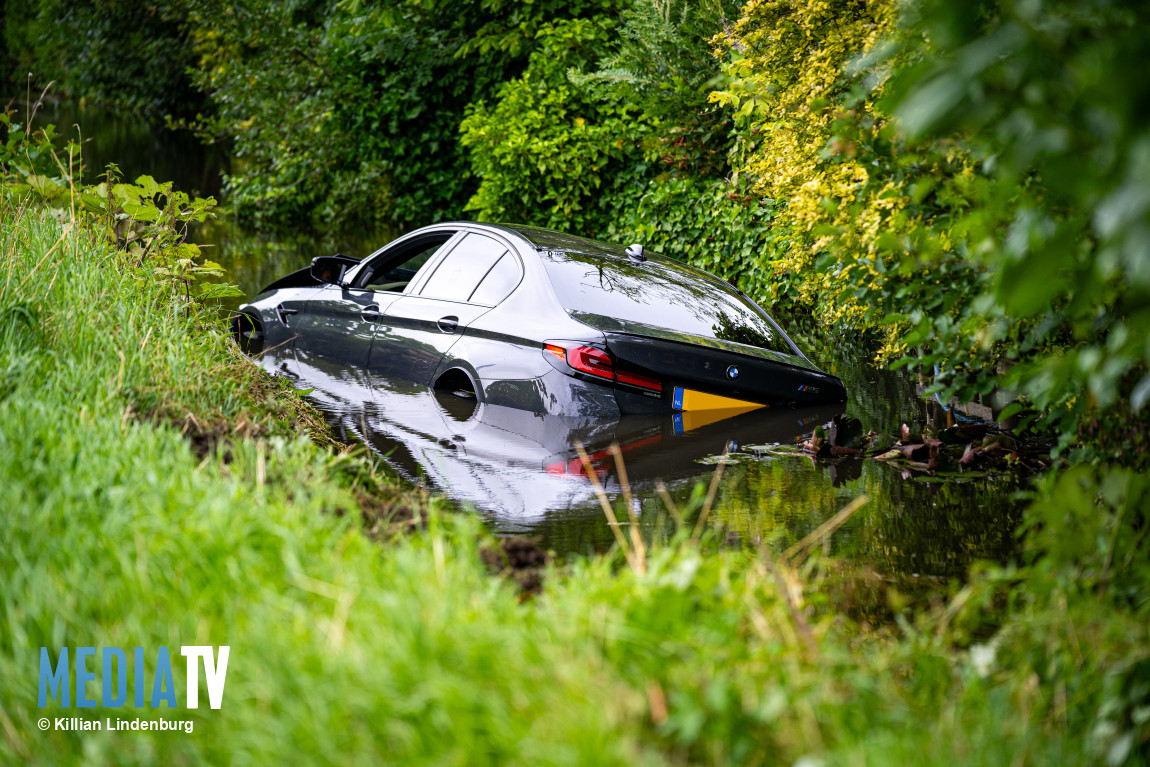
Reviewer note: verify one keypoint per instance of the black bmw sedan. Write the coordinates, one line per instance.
(538, 320)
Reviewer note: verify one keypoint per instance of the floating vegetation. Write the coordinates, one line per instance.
(974, 450)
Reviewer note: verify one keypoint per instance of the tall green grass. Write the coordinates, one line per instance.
(114, 532)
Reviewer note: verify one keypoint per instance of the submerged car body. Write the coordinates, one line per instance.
(536, 320)
(522, 470)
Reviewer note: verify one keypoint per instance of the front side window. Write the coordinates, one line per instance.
(394, 271)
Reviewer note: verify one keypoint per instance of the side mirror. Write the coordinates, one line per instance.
(329, 270)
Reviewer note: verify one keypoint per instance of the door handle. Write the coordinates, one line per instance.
(448, 324)
(285, 313)
(371, 314)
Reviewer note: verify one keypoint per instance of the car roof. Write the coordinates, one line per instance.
(549, 239)
(560, 242)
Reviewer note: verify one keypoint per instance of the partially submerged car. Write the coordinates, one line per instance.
(533, 319)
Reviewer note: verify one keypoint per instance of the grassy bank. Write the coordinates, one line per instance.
(118, 531)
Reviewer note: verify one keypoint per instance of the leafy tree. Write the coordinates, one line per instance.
(347, 113)
(785, 62)
(971, 182)
(663, 64)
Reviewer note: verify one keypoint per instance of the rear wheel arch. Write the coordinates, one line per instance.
(460, 381)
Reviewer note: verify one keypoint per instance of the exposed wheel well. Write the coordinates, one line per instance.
(458, 382)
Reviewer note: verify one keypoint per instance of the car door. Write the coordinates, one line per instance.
(339, 324)
(419, 328)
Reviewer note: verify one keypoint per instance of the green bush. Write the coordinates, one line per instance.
(546, 152)
(348, 114)
(1045, 98)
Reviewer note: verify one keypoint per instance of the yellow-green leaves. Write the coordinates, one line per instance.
(785, 62)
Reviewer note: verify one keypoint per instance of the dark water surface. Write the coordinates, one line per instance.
(137, 145)
(520, 471)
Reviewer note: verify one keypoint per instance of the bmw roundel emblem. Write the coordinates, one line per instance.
(732, 372)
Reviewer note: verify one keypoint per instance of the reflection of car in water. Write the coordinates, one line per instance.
(518, 466)
(539, 321)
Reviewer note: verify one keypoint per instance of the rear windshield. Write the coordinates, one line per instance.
(618, 294)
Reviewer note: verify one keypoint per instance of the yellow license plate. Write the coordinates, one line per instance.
(689, 399)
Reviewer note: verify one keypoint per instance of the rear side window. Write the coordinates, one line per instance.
(460, 273)
(617, 294)
(499, 282)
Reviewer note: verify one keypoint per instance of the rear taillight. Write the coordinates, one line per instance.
(592, 361)
(586, 359)
(642, 382)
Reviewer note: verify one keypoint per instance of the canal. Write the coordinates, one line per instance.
(522, 472)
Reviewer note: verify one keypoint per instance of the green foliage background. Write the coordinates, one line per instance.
(131, 54)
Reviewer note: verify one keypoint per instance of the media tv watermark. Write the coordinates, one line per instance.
(152, 684)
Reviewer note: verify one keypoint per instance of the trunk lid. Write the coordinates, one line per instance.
(723, 372)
